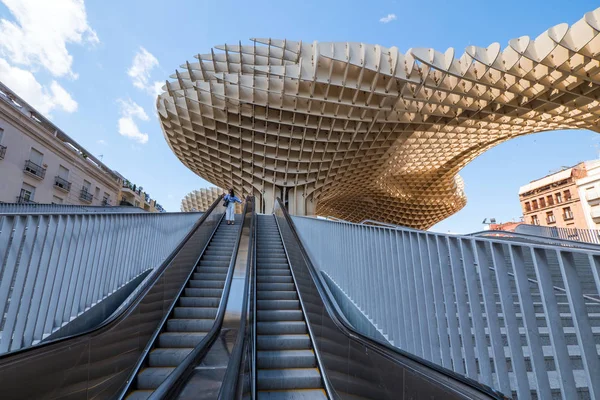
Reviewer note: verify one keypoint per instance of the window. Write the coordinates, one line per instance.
(550, 200)
(567, 195)
(85, 194)
(535, 204)
(1, 135)
(87, 186)
(36, 157)
(550, 217)
(97, 193)
(105, 200)
(27, 194)
(567, 213)
(527, 206)
(542, 202)
(137, 203)
(56, 200)
(63, 173)
(534, 220)
(558, 198)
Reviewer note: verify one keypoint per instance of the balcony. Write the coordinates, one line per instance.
(551, 219)
(569, 215)
(592, 195)
(62, 184)
(595, 212)
(34, 170)
(105, 202)
(2, 152)
(125, 203)
(24, 200)
(85, 196)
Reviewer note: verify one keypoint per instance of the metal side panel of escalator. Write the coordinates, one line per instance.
(100, 362)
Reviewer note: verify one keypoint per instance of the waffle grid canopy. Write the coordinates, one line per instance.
(202, 199)
(366, 132)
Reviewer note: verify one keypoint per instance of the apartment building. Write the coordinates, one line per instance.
(589, 193)
(555, 200)
(39, 163)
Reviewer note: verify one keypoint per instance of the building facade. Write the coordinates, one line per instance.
(555, 200)
(39, 163)
(202, 199)
(589, 193)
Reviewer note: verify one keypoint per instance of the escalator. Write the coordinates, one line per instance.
(286, 362)
(168, 315)
(193, 315)
(299, 345)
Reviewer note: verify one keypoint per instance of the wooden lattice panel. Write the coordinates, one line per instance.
(202, 199)
(368, 132)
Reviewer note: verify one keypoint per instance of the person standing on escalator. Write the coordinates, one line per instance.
(229, 201)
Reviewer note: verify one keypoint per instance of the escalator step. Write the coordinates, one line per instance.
(281, 328)
(275, 286)
(212, 270)
(283, 342)
(194, 283)
(276, 295)
(151, 378)
(294, 378)
(286, 359)
(306, 394)
(279, 315)
(189, 325)
(278, 305)
(270, 265)
(140, 395)
(274, 279)
(195, 312)
(197, 292)
(180, 339)
(168, 357)
(274, 272)
(190, 301)
(208, 276)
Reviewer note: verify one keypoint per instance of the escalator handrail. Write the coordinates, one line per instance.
(384, 349)
(175, 380)
(124, 311)
(230, 381)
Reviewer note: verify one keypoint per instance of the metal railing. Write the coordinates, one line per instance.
(84, 195)
(580, 235)
(521, 318)
(62, 183)
(24, 200)
(2, 152)
(54, 267)
(30, 207)
(34, 169)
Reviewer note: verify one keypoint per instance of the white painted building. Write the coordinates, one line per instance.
(40, 163)
(589, 193)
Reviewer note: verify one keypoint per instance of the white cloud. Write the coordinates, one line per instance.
(44, 99)
(157, 87)
(127, 126)
(41, 31)
(143, 64)
(101, 142)
(388, 18)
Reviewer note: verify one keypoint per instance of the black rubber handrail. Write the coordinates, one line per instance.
(149, 282)
(176, 379)
(229, 386)
(382, 348)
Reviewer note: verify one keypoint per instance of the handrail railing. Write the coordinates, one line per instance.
(41, 208)
(171, 386)
(457, 300)
(573, 234)
(2, 152)
(54, 267)
(34, 169)
(96, 363)
(62, 183)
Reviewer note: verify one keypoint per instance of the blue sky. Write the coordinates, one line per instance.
(73, 60)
